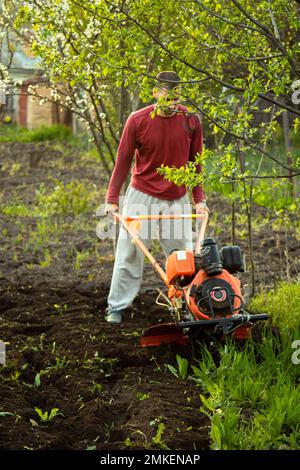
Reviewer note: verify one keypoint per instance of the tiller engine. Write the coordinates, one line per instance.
(203, 293)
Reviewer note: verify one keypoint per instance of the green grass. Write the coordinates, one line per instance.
(70, 198)
(43, 133)
(55, 133)
(251, 394)
(281, 303)
(15, 208)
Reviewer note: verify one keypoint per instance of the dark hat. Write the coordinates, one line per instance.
(168, 79)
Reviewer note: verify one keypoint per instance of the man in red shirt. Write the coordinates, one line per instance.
(171, 138)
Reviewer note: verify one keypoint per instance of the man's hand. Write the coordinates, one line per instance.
(110, 209)
(201, 206)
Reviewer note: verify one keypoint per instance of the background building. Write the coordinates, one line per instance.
(17, 106)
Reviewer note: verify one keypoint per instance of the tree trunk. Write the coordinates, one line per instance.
(250, 241)
(288, 149)
(233, 218)
(248, 206)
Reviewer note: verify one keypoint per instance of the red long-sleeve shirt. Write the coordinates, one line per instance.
(171, 140)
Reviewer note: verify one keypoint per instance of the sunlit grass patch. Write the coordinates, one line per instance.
(281, 303)
(41, 134)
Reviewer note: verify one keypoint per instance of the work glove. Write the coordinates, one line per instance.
(201, 206)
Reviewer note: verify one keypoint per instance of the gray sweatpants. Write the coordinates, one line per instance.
(129, 260)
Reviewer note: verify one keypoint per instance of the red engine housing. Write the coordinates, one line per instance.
(199, 279)
(180, 268)
(180, 263)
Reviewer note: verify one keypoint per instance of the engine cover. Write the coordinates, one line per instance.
(214, 295)
(218, 296)
(180, 264)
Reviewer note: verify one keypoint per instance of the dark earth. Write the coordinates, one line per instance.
(108, 391)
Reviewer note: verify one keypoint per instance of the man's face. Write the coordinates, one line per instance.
(169, 98)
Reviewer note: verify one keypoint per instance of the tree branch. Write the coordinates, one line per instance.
(173, 54)
(244, 139)
(269, 35)
(222, 18)
(205, 72)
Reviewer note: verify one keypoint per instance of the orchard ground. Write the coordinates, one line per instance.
(108, 392)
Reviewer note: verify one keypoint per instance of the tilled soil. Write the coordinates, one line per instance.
(109, 392)
(106, 386)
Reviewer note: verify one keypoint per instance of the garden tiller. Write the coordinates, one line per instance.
(202, 293)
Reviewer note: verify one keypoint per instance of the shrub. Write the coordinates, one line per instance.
(71, 198)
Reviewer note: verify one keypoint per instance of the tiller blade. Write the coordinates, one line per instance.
(162, 334)
(182, 332)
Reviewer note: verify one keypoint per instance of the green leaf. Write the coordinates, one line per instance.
(182, 366)
(37, 380)
(172, 370)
